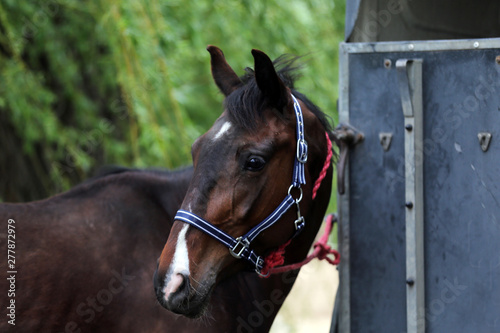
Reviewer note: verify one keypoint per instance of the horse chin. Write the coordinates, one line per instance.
(193, 310)
(194, 306)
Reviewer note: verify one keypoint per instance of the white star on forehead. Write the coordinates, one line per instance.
(223, 130)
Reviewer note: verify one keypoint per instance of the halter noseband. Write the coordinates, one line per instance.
(240, 247)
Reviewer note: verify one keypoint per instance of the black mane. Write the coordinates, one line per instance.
(245, 104)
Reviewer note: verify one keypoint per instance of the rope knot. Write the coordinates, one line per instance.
(321, 251)
(324, 250)
(274, 259)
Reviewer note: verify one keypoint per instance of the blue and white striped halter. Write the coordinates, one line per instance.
(240, 247)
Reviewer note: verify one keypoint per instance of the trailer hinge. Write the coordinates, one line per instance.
(346, 137)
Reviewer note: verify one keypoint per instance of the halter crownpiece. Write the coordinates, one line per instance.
(240, 247)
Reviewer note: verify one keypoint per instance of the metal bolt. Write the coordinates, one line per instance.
(410, 282)
(476, 45)
(484, 140)
(387, 63)
(497, 59)
(409, 204)
(409, 127)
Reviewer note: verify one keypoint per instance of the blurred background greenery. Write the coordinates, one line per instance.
(85, 84)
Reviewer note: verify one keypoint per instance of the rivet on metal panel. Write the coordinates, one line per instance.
(411, 47)
(476, 44)
(409, 127)
(387, 63)
(409, 204)
(484, 140)
(385, 140)
(410, 282)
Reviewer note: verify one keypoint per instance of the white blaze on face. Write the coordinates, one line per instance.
(180, 264)
(223, 130)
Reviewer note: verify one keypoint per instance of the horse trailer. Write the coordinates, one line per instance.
(419, 230)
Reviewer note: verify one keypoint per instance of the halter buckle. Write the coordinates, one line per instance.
(244, 243)
(259, 264)
(302, 151)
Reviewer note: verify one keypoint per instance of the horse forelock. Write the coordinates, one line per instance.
(246, 105)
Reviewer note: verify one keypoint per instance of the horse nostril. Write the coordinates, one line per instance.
(177, 288)
(184, 287)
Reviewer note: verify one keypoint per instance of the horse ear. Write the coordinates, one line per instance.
(224, 76)
(268, 80)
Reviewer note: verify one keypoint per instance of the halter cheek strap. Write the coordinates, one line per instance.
(299, 177)
(240, 247)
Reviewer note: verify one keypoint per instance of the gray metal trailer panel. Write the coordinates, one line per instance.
(460, 160)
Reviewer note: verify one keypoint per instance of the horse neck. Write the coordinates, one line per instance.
(254, 294)
(171, 191)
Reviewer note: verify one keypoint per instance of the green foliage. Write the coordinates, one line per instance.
(84, 84)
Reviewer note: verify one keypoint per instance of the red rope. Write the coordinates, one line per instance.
(321, 249)
(328, 160)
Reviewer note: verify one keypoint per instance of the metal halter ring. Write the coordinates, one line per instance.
(301, 192)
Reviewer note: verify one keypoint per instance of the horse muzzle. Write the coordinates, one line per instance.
(176, 293)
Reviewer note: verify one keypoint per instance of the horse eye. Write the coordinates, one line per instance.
(254, 163)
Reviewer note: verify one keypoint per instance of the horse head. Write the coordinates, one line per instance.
(243, 170)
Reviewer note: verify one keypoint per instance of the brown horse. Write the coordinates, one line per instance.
(82, 261)
(243, 169)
